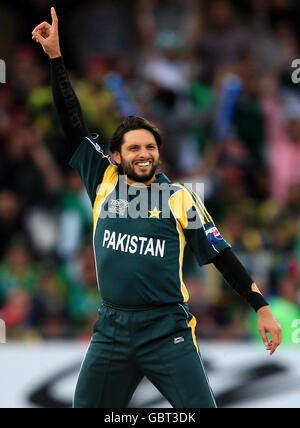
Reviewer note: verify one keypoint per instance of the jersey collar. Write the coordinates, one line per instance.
(162, 178)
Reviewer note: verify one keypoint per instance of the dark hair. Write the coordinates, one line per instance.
(129, 124)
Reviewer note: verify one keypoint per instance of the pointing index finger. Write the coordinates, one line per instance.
(54, 17)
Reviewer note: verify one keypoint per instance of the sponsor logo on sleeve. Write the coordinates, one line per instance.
(213, 235)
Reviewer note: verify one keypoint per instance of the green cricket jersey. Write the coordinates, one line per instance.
(140, 232)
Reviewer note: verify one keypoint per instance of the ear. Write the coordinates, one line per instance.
(116, 157)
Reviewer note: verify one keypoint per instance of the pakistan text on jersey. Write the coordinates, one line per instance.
(134, 244)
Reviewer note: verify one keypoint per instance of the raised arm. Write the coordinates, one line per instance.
(65, 99)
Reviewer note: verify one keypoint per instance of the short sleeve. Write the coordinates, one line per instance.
(91, 164)
(201, 233)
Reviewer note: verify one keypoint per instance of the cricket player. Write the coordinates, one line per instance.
(142, 224)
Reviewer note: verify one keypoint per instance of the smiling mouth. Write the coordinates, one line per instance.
(143, 164)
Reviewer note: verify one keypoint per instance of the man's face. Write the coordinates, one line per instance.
(139, 156)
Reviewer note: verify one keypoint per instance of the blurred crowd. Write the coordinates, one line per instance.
(215, 76)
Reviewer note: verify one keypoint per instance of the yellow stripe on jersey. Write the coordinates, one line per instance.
(192, 324)
(195, 203)
(178, 202)
(181, 203)
(107, 185)
(207, 215)
(200, 205)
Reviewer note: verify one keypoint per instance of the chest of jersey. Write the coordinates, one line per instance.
(136, 220)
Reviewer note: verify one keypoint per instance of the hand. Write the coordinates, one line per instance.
(47, 36)
(267, 323)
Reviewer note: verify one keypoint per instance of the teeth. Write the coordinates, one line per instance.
(143, 164)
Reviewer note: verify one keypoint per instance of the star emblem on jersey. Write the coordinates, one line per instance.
(154, 213)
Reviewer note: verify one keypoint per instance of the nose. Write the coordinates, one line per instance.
(143, 153)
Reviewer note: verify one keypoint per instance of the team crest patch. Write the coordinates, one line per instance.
(118, 206)
(213, 235)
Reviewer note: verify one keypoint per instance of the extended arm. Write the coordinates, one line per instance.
(65, 99)
(209, 246)
(239, 279)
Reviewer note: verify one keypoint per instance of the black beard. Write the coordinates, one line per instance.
(130, 173)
